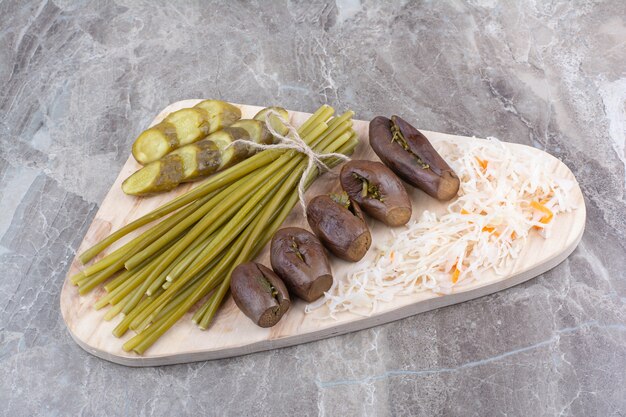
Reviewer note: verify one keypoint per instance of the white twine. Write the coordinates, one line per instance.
(293, 141)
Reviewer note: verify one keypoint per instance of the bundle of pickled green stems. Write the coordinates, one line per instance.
(186, 259)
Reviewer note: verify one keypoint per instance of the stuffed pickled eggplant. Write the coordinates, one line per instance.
(259, 293)
(377, 190)
(411, 156)
(339, 223)
(298, 257)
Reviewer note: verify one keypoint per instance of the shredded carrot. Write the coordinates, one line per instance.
(456, 272)
(455, 275)
(463, 211)
(483, 163)
(514, 235)
(490, 229)
(548, 213)
(392, 255)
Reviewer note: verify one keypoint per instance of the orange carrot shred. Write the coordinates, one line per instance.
(548, 213)
(463, 211)
(483, 163)
(455, 275)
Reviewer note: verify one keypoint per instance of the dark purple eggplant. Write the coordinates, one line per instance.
(339, 223)
(377, 190)
(410, 155)
(298, 257)
(259, 293)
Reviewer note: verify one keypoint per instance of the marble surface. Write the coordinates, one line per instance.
(79, 80)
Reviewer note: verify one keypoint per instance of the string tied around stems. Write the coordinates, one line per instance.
(293, 141)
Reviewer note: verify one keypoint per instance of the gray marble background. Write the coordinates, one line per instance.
(79, 80)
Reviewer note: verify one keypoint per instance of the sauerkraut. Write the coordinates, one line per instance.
(503, 198)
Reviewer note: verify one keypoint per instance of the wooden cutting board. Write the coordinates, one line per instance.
(234, 334)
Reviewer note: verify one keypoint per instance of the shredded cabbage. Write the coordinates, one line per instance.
(502, 199)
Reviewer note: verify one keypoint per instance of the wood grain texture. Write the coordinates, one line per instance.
(234, 334)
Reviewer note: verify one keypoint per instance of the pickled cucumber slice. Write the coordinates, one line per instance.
(257, 131)
(274, 121)
(199, 159)
(191, 124)
(235, 153)
(155, 142)
(221, 114)
(158, 176)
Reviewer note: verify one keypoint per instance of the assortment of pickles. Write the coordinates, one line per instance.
(208, 235)
(199, 141)
(298, 257)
